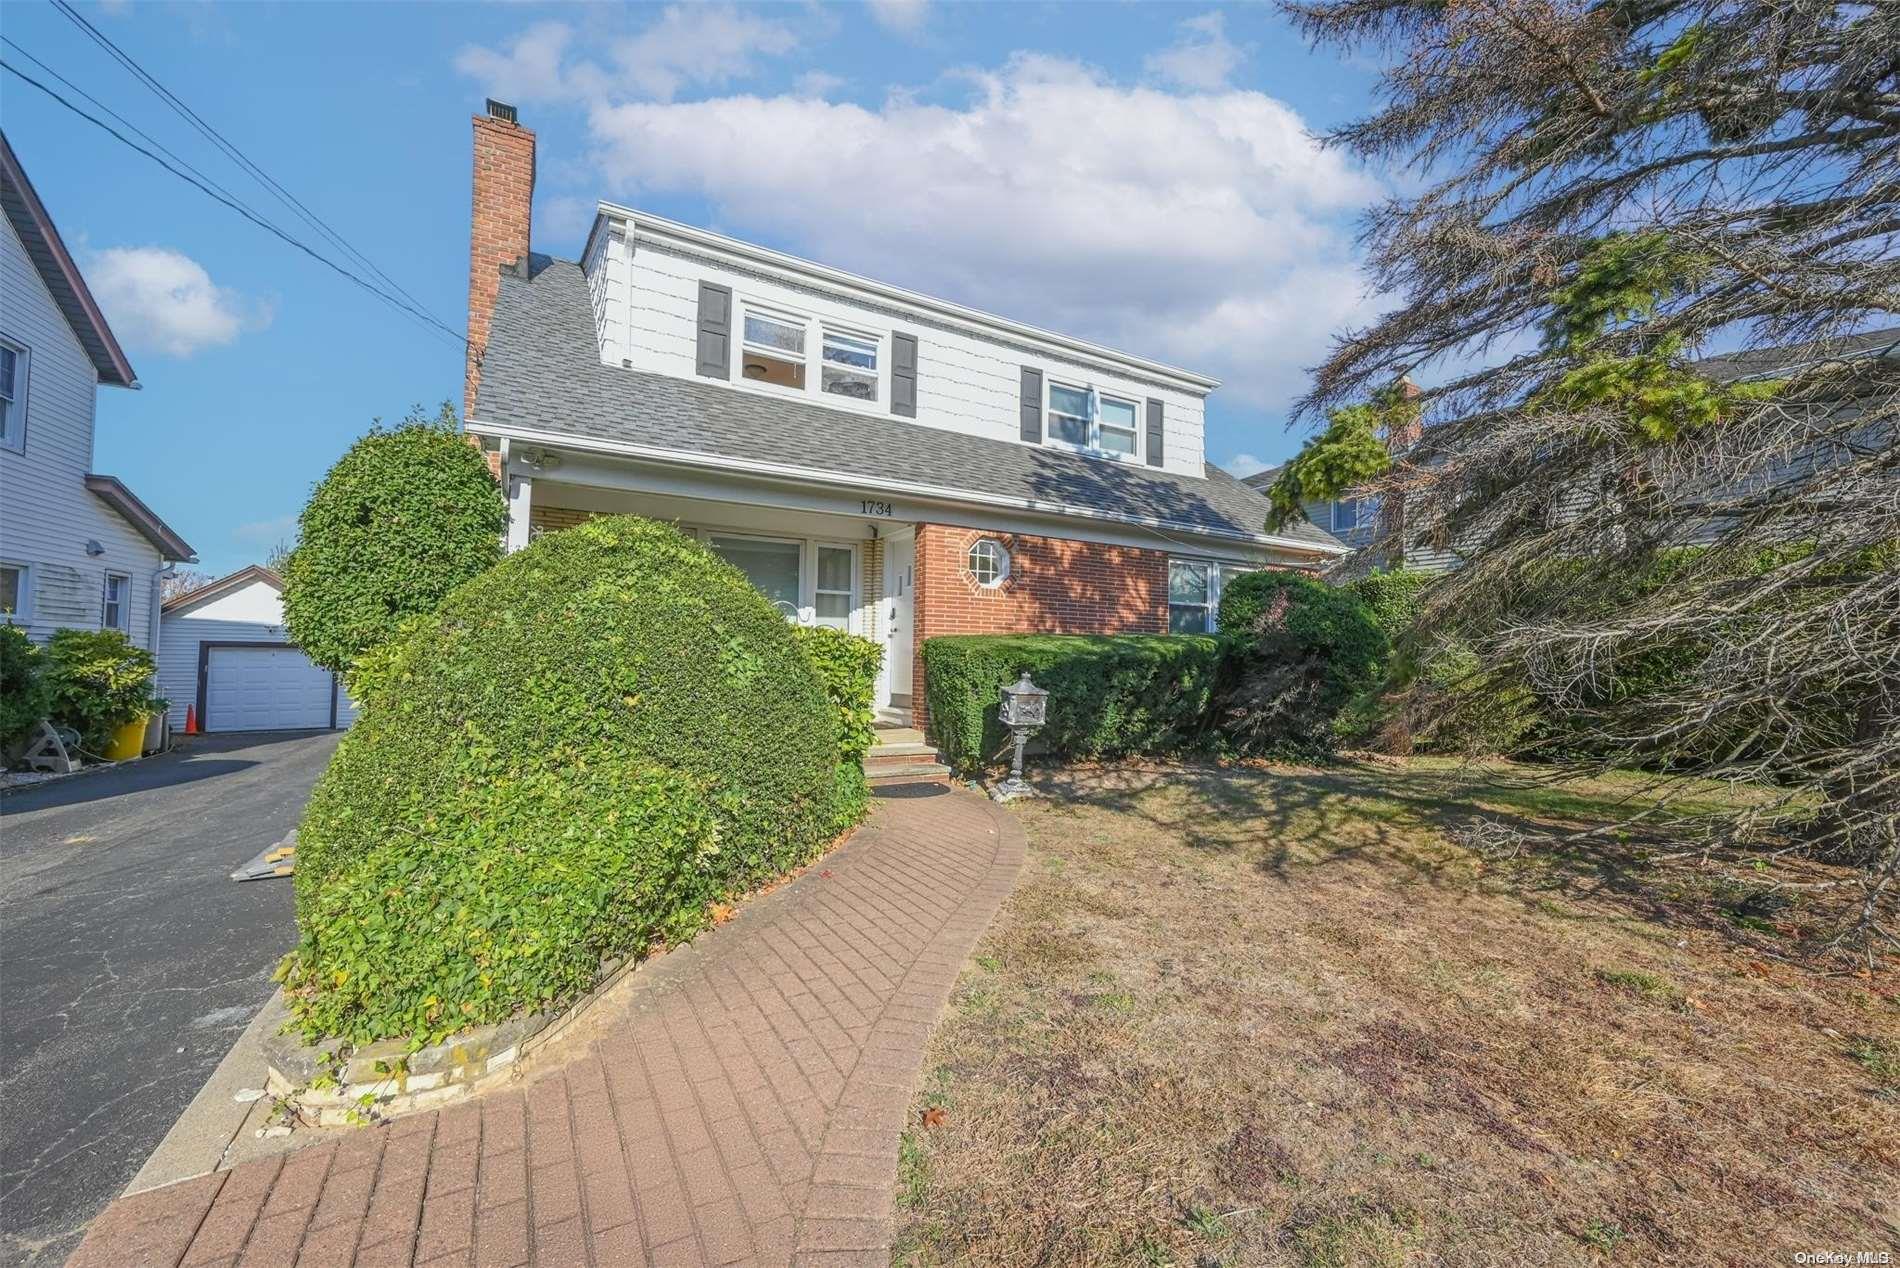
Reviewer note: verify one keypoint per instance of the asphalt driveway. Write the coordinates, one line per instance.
(130, 962)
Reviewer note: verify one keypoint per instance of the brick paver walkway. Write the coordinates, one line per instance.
(745, 1109)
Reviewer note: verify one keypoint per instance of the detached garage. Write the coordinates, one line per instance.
(222, 650)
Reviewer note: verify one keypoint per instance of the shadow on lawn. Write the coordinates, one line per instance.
(1294, 819)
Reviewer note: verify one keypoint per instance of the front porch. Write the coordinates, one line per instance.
(816, 567)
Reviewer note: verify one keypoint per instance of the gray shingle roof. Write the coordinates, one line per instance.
(542, 371)
(1731, 366)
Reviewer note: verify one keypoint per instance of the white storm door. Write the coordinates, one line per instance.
(900, 553)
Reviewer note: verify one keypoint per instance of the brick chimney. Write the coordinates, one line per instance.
(498, 225)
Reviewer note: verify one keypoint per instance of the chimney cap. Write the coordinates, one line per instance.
(503, 111)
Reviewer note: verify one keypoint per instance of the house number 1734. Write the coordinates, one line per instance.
(874, 507)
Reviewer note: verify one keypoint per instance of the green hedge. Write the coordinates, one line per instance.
(847, 667)
(1109, 695)
(1394, 598)
(405, 516)
(1296, 652)
(25, 694)
(98, 681)
(614, 697)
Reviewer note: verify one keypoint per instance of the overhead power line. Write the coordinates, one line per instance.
(205, 188)
(231, 151)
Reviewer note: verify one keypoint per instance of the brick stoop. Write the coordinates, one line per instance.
(902, 756)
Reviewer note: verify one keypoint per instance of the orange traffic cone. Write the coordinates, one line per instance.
(191, 719)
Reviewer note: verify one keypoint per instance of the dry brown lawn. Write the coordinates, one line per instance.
(1250, 1015)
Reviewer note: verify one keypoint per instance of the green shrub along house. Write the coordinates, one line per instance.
(565, 763)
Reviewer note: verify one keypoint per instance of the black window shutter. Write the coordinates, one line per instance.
(904, 375)
(1032, 405)
(1154, 433)
(715, 331)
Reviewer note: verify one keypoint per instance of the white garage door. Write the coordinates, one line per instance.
(264, 689)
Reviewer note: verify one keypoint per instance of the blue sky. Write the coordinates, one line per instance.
(1137, 174)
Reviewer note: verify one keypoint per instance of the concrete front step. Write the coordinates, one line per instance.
(915, 773)
(899, 754)
(899, 735)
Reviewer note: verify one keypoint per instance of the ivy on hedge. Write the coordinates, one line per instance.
(847, 667)
(613, 697)
(1295, 653)
(404, 517)
(1109, 695)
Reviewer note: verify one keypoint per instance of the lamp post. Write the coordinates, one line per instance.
(1024, 709)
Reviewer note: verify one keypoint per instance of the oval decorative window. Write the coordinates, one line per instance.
(988, 563)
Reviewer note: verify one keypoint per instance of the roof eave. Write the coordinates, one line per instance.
(109, 360)
(113, 492)
(845, 480)
(222, 586)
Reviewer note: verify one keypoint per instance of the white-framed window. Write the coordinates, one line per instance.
(834, 585)
(16, 593)
(773, 349)
(115, 609)
(809, 582)
(1094, 422)
(795, 352)
(1352, 513)
(1194, 590)
(1191, 602)
(850, 365)
(988, 562)
(13, 366)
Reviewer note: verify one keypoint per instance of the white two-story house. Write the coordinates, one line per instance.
(875, 459)
(77, 549)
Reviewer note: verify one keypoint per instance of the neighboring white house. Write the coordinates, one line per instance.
(77, 549)
(223, 652)
(874, 459)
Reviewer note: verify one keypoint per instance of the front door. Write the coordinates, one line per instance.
(900, 554)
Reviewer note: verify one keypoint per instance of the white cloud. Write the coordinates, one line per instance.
(817, 83)
(1242, 465)
(687, 45)
(1207, 229)
(163, 299)
(905, 17)
(1201, 58)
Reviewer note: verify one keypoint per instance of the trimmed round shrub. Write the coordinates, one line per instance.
(580, 671)
(404, 517)
(847, 667)
(25, 695)
(1295, 652)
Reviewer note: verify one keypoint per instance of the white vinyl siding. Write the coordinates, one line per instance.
(47, 515)
(647, 306)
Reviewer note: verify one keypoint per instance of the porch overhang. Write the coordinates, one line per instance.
(1168, 531)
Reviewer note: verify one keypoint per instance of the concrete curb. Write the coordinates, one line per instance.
(213, 1125)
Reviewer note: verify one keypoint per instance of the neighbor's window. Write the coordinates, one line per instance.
(12, 591)
(1355, 513)
(12, 394)
(988, 563)
(116, 613)
(850, 366)
(1190, 598)
(832, 599)
(774, 349)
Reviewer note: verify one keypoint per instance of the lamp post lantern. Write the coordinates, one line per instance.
(1024, 709)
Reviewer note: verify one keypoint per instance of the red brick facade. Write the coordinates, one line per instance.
(1055, 586)
(498, 229)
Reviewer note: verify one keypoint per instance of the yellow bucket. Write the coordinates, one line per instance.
(126, 742)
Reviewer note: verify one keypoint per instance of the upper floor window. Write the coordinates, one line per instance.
(774, 349)
(779, 348)
(1354, 513)
(12, 394)
(116, 612)
(1083, 418)
(850, 367)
